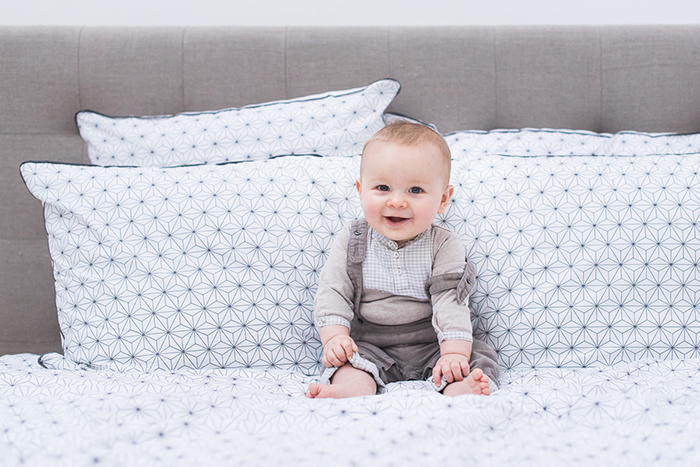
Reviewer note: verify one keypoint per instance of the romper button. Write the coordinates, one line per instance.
(398, 271)
(396, 254)
(358, 232)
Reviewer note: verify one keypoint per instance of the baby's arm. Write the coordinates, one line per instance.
(454, 361)
(451, 317)
(333, 305)
(452, 321)
(338, 346)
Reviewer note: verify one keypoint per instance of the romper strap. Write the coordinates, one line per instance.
(357, 249)
(357, 243)
(462, 281)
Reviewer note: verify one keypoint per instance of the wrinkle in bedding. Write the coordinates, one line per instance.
(641, 413)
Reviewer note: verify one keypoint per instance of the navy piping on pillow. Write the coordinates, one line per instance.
(655, 135)
(229, 109)
(534, 130)
(75, 164)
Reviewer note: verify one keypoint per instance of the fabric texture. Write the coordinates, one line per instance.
(559, 70)
(128, 71)
(527, 142)
(394, 364)
(430, 253)
(399, 271)
(191, 267)
(641, 413)
(335, 123)
(399, 349)
(536, 142)
(634, 143)
(648, 80)
(450, 77)
(40, 67)
(213, 75)
(579, 260)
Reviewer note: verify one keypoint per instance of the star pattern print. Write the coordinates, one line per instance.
(52, 413)
(199, 281)
(581, 261)
(335, 123)
(535, 142)
(191, 267)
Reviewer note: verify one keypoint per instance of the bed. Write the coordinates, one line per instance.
(159, 253)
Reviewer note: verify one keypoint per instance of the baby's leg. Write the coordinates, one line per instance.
(475, 383)
(347, 381)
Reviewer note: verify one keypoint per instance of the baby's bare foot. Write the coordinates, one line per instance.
(337, 391)
(347, 381)
(319, 391)
(475, 383)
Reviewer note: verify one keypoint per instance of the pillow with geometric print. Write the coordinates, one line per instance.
(206, 266)
(538, 142)
(335, 123)
(581, 261)
(527, 142)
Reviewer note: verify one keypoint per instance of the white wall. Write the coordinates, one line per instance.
(346, 12)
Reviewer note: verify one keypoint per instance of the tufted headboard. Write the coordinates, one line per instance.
(603, 79)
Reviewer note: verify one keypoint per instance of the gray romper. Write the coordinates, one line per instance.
(397, 352)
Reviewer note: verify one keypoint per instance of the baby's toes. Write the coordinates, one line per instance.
(314, 390)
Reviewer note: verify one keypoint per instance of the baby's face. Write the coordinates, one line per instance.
(402, 188)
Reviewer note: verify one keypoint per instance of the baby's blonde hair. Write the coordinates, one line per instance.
(407, 133)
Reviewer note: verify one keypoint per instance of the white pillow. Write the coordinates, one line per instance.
(633, 143)
(334, 123)
(535, 142)
(190, 267)
(582, 261)
(527, 142)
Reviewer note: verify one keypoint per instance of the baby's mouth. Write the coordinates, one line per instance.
(394, 220)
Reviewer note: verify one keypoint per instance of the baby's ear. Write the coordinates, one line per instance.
(446, 196)
(358, 185)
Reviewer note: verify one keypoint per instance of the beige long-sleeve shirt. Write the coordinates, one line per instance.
(394, 280)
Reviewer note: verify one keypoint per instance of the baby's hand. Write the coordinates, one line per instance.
(338, 350)
(453, 366)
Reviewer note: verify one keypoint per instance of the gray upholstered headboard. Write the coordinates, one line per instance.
(595, 78)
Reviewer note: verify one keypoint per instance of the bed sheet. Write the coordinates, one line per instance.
(642, 413)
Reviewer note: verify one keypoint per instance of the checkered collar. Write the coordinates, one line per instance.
(391, 244)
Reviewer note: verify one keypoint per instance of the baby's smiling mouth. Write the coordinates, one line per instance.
(395, 219)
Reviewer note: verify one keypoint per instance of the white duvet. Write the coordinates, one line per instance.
(638, 414)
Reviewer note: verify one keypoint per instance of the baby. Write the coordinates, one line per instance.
(392, 297)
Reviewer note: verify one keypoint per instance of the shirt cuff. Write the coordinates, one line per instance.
(454, 336)
(330, 320)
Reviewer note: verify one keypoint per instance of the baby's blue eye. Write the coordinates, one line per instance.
(383, 188)
(415, 190)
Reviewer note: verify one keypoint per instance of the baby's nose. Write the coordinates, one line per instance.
(398, 200)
